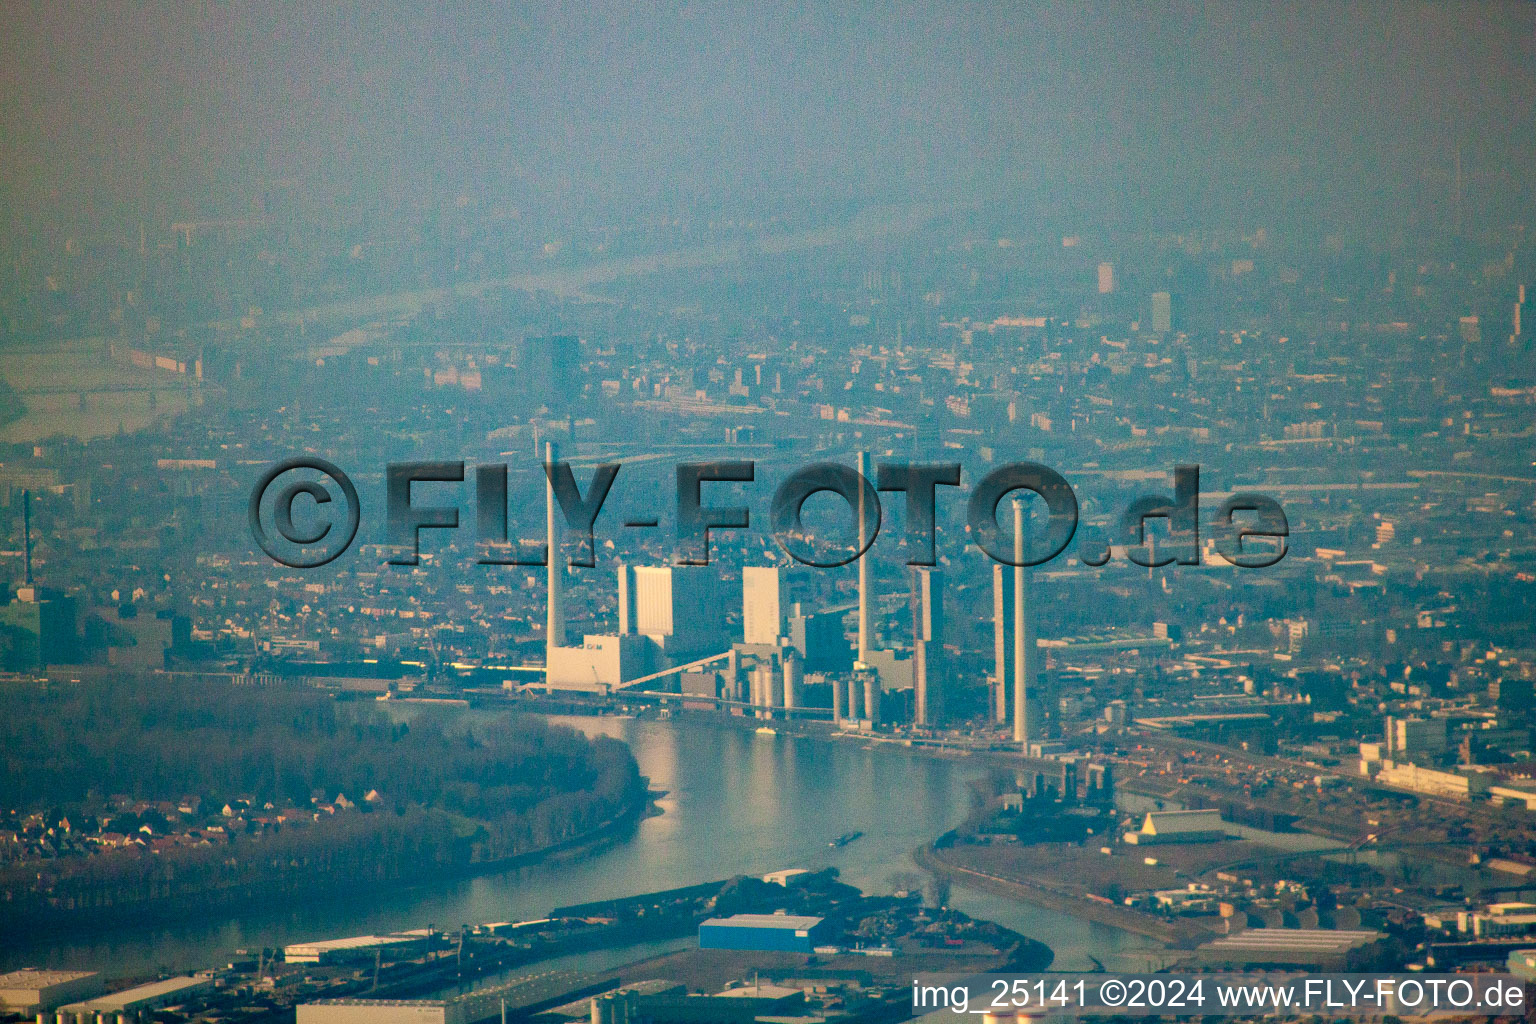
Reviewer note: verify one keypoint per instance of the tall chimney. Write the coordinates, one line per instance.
(1022, 637)
(864, 635)
(554, 631)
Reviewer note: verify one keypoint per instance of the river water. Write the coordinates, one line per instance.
(736, 802)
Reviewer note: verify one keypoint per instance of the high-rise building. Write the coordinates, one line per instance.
(928, 663)
(551, 371)
(762, 604)
(819, 638)
(1162, 313)
(42, 627)
(674, 606)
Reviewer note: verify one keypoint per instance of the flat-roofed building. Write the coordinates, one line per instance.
(354, 948)
(381, 1011)
(1498, 920)
(1202, 826)
(601, 663)
(30, 991)
(1321, 948)
(1456, 785)
(788, 932)
(144, 998)
(1515, 791)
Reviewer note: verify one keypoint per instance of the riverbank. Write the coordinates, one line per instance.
(169, 908)
(199, 799)
(735, 803)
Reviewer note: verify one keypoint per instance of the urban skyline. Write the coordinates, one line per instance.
(707, 516)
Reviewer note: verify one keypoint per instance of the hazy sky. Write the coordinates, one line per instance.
(110, 111)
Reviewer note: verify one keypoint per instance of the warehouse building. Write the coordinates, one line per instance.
(1319, 948)
(1179, 827)
(31, 991)
(1456, 785)
(786, 932)
(141, 999)
(357, 948)
(1498, 920)
(382, 1011)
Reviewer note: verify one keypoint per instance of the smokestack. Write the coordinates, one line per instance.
(1001, 654)
(554, 631)
(26, 529)
(1022, 637)
(864, 637)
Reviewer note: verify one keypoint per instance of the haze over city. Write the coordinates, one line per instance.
(328, 699)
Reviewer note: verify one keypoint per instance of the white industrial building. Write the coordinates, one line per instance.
(763, 604)
(1179, 827)
(1431, 782)
(356, 947)
(1515, 791)
(667, 616)
(382, 1011)
(601, 663)
(30, 991)
(1322, 948)
(1498, 920)
(140, 999)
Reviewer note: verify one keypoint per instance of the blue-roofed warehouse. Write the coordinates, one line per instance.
(785, 932)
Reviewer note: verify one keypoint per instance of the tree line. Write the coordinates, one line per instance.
(446, 798)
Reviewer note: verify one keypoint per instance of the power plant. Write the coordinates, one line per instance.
(790, 660)
(1015, 653)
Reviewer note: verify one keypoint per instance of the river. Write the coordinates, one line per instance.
(736, 802)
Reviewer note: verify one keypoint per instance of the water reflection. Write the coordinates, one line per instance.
(737, 802)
